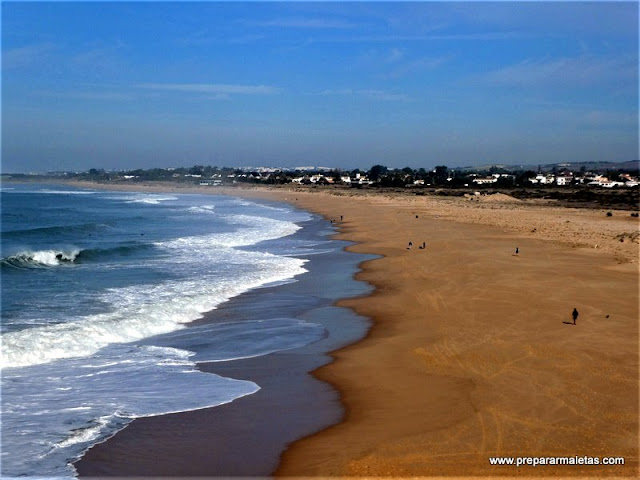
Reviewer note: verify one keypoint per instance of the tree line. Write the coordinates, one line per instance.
(378, 175)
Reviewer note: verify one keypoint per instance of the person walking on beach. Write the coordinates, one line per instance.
(517, 250)
(574, 314)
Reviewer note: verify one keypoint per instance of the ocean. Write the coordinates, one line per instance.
(109, 304)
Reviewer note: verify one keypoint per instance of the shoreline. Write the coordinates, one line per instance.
(244, 437)
(478, 362)
(619, 235)
(435, 410)
(449, 395)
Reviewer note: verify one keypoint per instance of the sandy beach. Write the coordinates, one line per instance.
(471, 356)
(473, 353)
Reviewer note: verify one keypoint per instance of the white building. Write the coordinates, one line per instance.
(564, 180)
(485, 180)
(543, 179)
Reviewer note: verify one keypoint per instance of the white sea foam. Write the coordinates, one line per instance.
(84, 435)
(151, 199)
(67, 192)
(142, 311)
(79, 364)
(250, 338)
(46, 429)
(41, 258)
(202, 209)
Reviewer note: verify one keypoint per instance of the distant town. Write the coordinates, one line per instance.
(601, 174)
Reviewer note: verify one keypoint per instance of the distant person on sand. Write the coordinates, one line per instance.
(517, 250)
(410, 245)
(574, 314)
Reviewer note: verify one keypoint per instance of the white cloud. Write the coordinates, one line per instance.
(372, 94)
(567, 72)
(395, 55)
(341, 91)
(87, 95)
(471, 37)
(305, 22)
(384, 96)
(24, 56)
(395, 62)
(402, 69)
(601, 118)
(218, 90)
(584, 119)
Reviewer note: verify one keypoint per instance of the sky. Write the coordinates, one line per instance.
(122, 85)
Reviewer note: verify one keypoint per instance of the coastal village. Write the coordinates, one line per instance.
(420, 178)
(563, 179)
(602, 175)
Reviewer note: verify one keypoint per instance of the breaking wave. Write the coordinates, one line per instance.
(143, 311)
(55, 257)
(40, 258)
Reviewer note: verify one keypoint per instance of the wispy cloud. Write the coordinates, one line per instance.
(304, 22)
(205, 38)
(570, 19)
(102, 59)
(395, 55)
(470, 37)
(384, 96)
(218, 90)
(425, 63)
(601, 118)
(97, 55)
(482, 36)
(589, 119)
(24, 56)
(567, 72)
(372, 94)
(396, 62)
(87, 95)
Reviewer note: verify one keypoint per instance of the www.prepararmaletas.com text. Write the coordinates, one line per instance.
(575, 460)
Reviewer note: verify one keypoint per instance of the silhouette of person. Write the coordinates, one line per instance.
(410, 245)
(517, 250)
(574, 314)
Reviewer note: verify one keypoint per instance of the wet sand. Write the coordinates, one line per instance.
(470, 355)
(247, 436)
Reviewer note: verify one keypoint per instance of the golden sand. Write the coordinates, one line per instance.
(472, 353)
(470, 356)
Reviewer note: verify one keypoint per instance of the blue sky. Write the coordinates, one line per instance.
(419, 84)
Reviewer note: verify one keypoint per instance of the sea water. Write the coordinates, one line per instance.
(98, 292)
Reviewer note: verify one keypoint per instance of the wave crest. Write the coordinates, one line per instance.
(54, 257)
(40, 258)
